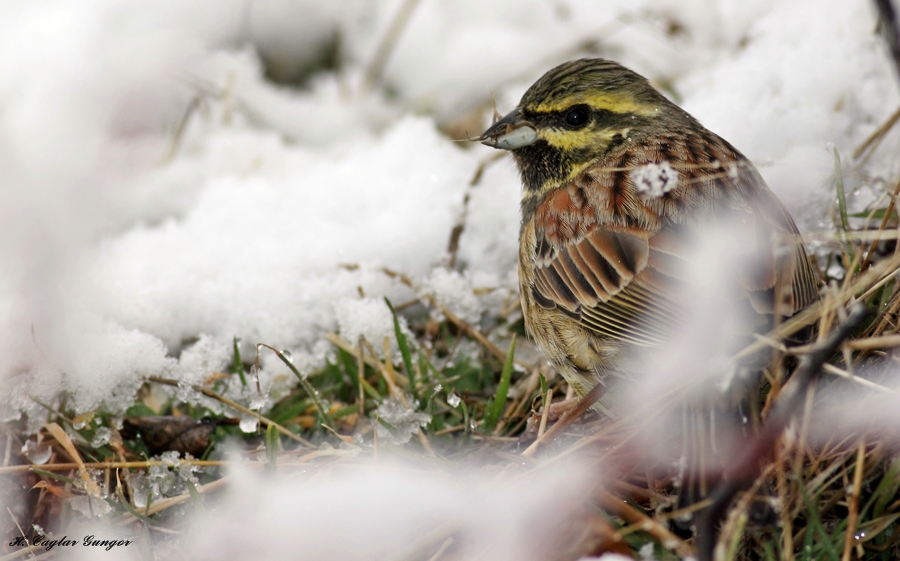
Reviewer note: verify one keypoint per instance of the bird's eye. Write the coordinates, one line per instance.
(577, 117)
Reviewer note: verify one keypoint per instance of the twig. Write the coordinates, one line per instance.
(420, 434)
(182, 126)
(567, 419)
(21, 531)
(881, 342)
(749, 465)
(545, 414)
(737, 520)
(787, 522)
(57, 432)
(457, 231)
(849, 537)
(387, 44)
(877, 135)
(355, 352)
(460, 226)
(389, 375)
(882, 271)
(631, 515)
(107, 465)
(884, 221)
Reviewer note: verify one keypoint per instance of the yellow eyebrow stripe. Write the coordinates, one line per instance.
(572, 140)
(616, 103)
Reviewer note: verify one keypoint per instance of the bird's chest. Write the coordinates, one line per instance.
(601, 199)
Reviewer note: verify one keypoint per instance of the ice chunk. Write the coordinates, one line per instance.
(405, 420)
(249, 423)
(37, 453)
(258, 401)
(90, 506)
(101, 437)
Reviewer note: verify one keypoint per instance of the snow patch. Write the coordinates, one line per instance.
(654, 179)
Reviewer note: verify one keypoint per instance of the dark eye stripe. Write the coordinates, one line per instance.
(559, 118)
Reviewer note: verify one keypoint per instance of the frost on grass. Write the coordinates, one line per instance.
(161, 481)
(88, 504)
(404, 420)
(654, 179)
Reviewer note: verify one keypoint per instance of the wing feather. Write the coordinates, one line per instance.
(618, 271)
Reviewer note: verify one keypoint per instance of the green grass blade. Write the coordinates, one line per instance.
(237, 365)
(271, 448)
(54, 476)
(466, 424)
(195, 495)
(839, 184)
(496, 409)
(121, 496)
(815, 524)
(311, 391)
(404, 351)
(886, 492)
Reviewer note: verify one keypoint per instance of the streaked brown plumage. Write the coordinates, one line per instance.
(600, 262)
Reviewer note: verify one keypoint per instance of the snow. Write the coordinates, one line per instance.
(370, 319)
(455, 291)
(387, 511)
(654, 180)
(778, 98)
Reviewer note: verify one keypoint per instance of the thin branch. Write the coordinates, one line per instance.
(633, 516)
(108, 465)
(383, 53)
(742, 473)
(567, 419)
(884, 221)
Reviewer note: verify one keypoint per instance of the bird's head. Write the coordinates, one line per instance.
(575, 114)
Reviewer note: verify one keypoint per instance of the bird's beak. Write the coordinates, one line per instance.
(509, 133)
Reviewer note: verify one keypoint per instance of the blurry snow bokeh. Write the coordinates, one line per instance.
(392, 512)
(133, 246)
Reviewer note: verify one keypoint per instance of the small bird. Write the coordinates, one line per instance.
(618, 183)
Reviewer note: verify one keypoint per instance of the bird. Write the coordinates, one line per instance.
(619, 183)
